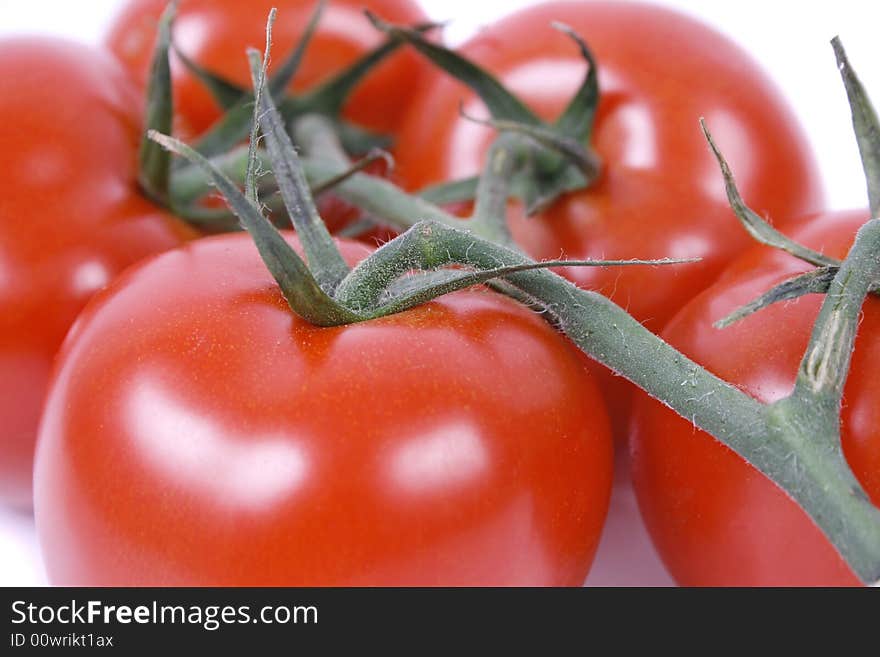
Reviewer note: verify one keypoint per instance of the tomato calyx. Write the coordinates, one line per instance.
(158, 170)
(559, 155)
(327, 99)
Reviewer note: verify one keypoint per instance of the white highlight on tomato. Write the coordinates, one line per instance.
(89, 277)
(452, 453)
(240, 470)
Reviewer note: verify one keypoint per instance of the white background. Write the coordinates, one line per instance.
(789, 38)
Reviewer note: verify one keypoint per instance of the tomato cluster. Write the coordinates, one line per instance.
(193, 430)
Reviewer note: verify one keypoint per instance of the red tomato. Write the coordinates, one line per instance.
(70, 218)
(215, 34)
(199, 433)
(661, 193)
(714, 519)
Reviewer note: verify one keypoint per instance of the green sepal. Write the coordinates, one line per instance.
(258, 68)
(756, 226)
(281, 79)
(154, 162)
(576, 121)
(865, 125)
(228, 94)
(550, 176)
(539, 191)
(225, 92)
(501, 103)
(327, 99)
(812, 282)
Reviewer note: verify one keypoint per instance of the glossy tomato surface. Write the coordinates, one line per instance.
(661, 193)
(70, 218)
(216, 33)
(714, 519)
(199, 433)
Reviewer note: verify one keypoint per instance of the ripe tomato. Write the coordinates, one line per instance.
(714, 519)
(199, 433)
(70, 218)
(215, 34)
(660, 193)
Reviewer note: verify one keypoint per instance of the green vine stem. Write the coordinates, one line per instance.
(825, 365)
(785, 441)
(374, 195)
(795, 442)
(489, 219)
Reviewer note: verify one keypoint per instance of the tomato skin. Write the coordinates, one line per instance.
(215, 438)
(215, 34)
(715, 519)
(70, 218)
(661, 193)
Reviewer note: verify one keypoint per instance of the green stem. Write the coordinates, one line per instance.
(778, 440)
(368, 160)
(825, 365)
(325, 160)
(316, 134)
(390, 203)
(489, 219)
